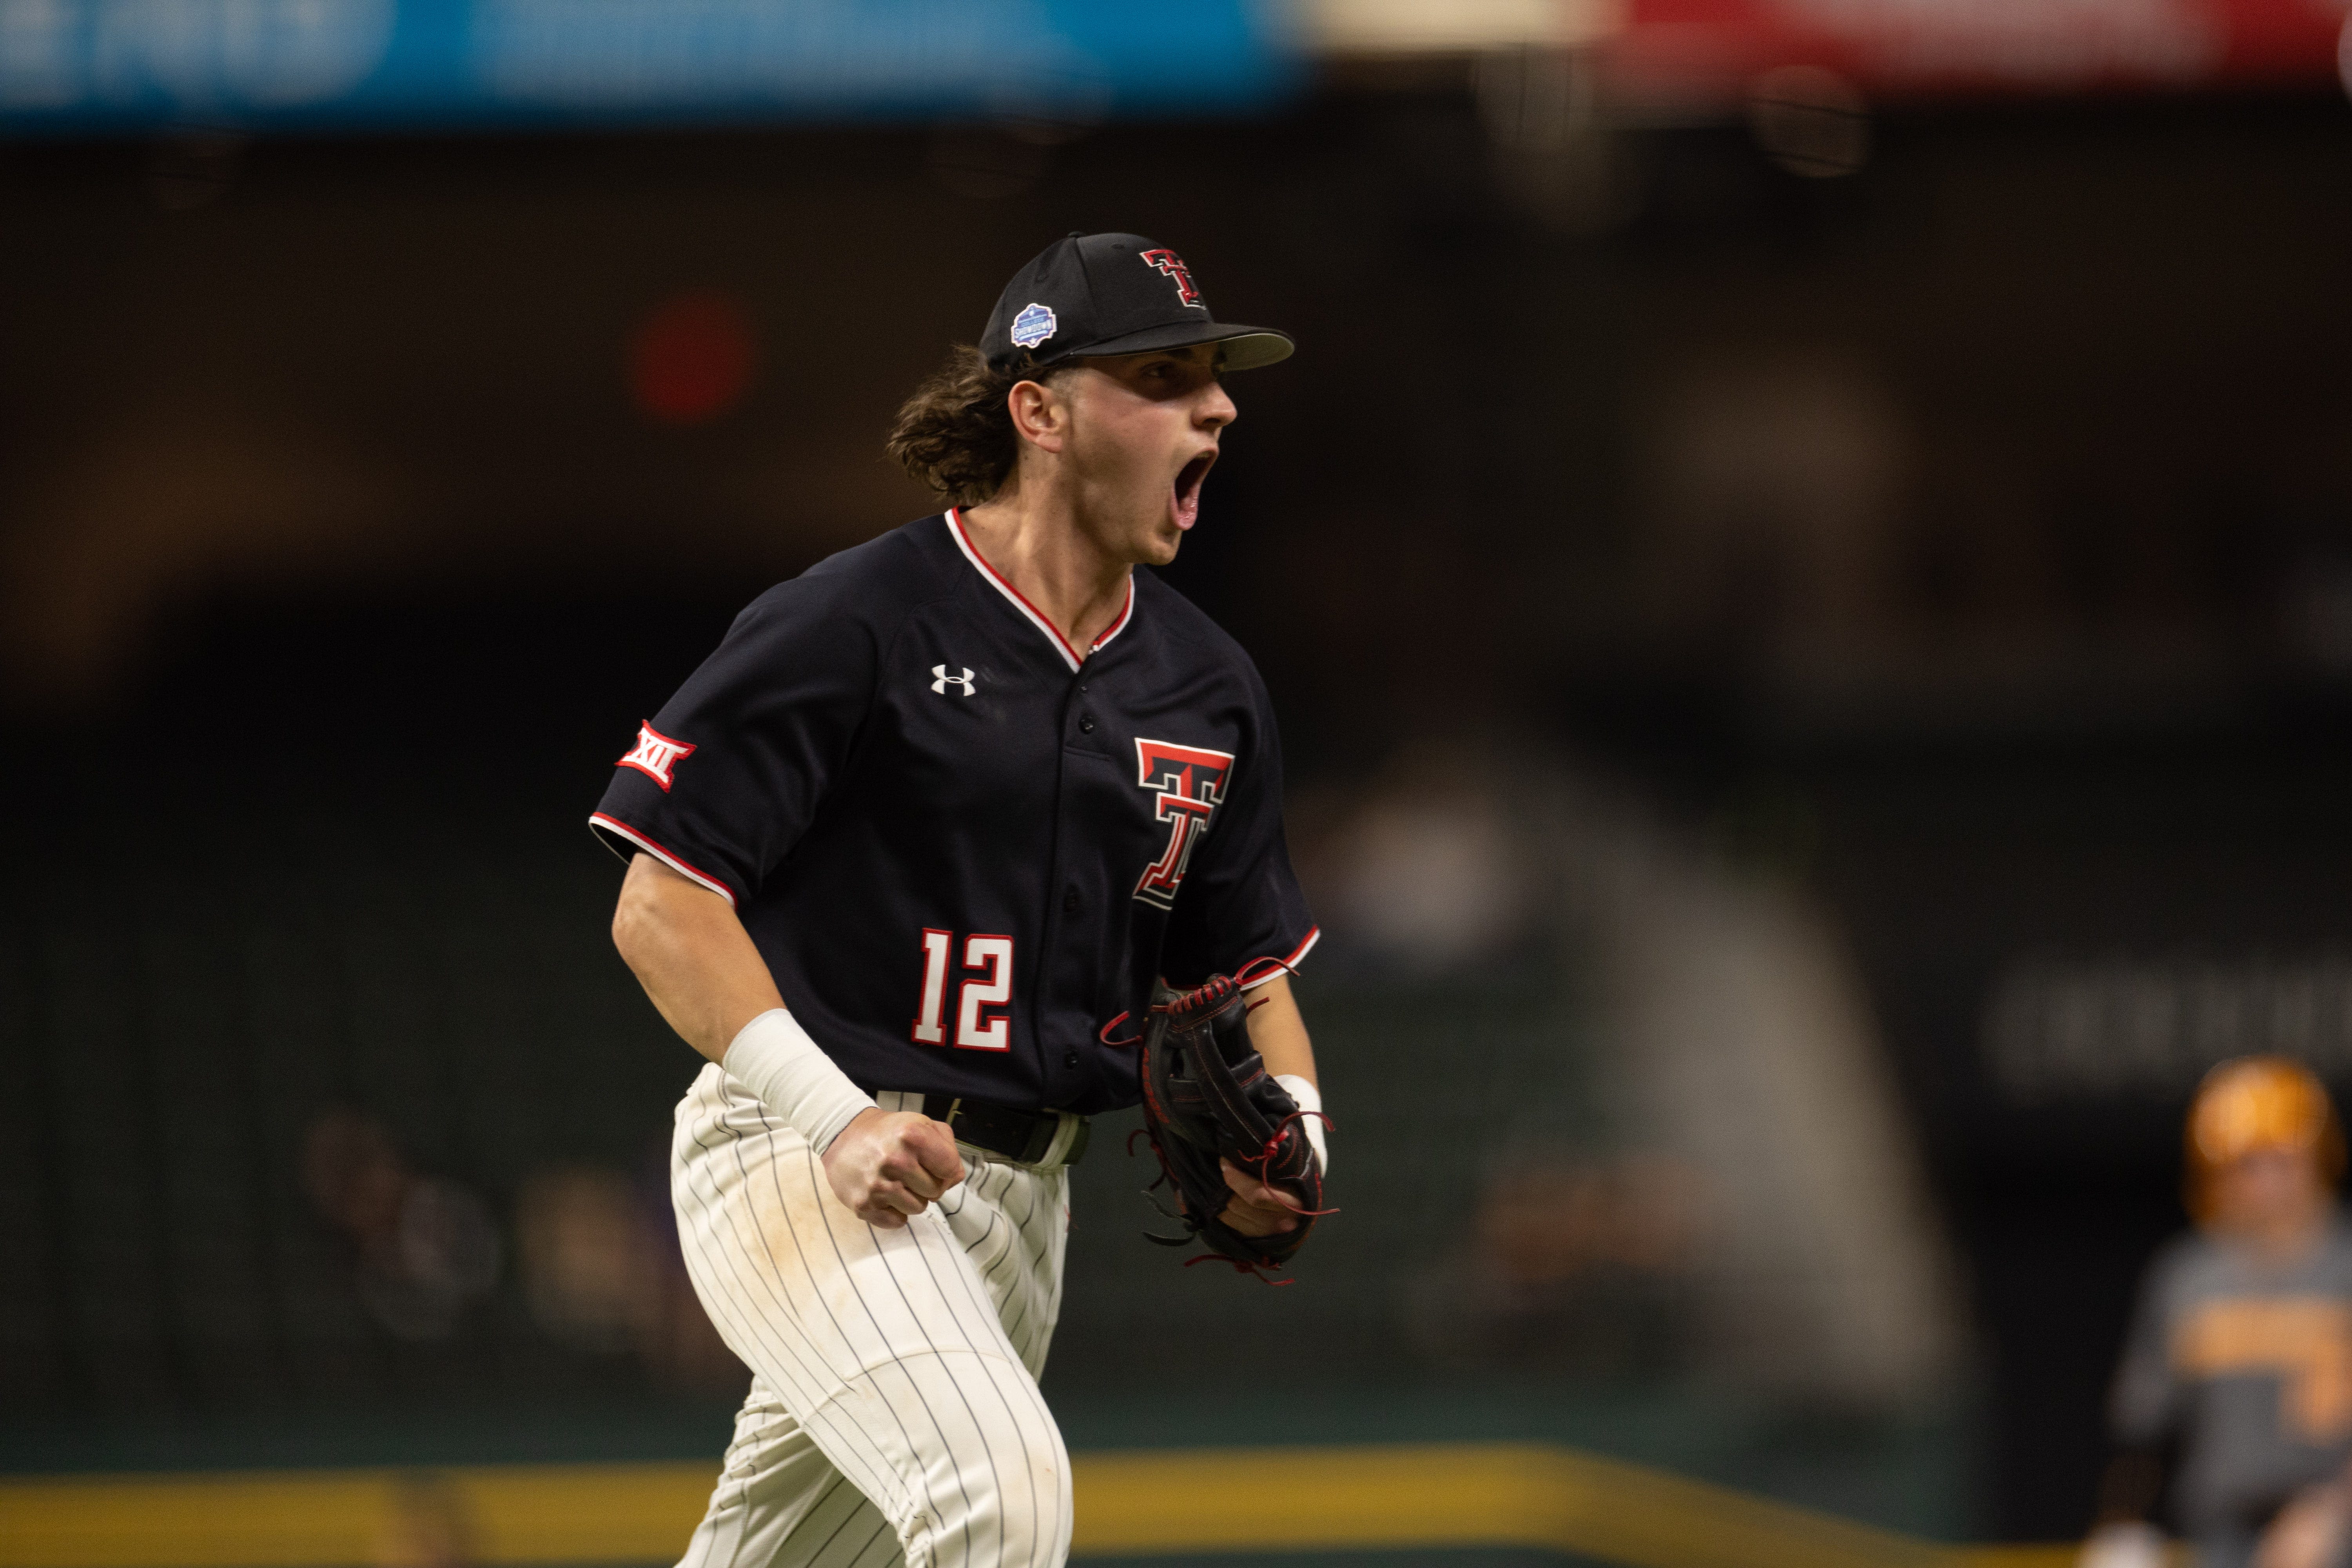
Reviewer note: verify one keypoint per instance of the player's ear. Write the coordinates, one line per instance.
(1040, 414)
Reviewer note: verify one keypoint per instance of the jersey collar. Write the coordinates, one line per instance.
(1036, 617)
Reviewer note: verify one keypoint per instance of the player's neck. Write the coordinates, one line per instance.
(2285, 1238)
(1034, 539)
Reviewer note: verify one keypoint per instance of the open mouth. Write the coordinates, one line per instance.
(1188, 489)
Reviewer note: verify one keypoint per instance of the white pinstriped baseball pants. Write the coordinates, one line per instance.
(894, 1413)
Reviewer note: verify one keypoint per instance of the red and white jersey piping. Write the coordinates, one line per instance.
(1036, 616)
(614, 825)
(1250, 978)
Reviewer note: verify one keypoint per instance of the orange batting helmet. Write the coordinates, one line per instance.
(2253, 1103)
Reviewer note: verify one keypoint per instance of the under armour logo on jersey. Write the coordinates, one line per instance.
(1188, 782)
(1170, 263)
(655, 754)
(944, 679)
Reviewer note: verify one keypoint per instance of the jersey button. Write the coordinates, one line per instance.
(1085, 722)
(1070, 1059)
(1069, 901)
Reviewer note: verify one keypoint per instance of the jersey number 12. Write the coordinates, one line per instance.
(981, 1003)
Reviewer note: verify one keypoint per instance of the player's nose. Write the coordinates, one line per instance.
(1215, 408)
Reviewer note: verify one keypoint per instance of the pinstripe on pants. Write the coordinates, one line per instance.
(893, 1411)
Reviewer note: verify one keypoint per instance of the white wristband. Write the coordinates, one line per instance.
(773, 1058)
(1310, 1099)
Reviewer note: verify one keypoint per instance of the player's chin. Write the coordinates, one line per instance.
(1159, 543)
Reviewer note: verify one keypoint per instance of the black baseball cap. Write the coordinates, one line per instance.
(1097, 294)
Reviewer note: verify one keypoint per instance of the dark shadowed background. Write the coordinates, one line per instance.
(1818, 685)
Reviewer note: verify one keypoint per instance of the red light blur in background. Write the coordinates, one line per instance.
(1676, 49)
(693, 358)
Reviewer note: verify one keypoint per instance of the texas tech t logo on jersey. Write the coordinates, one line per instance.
(1170, 263)
(1188, 782)
(655, 754)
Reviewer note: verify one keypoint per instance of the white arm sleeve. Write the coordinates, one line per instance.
(1310, 1099)
(773, 1058)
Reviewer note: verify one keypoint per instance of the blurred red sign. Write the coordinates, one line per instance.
(1712, 48)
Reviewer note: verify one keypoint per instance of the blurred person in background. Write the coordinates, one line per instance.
(423, 1249)
(2237, 1375)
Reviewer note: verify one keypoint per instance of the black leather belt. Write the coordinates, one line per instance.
(1023, 1137)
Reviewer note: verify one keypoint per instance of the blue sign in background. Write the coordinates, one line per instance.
(99, 66)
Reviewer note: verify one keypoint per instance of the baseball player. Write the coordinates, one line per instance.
(2239, 1356)
(907, 857)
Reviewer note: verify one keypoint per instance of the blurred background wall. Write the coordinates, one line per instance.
(1806, 564)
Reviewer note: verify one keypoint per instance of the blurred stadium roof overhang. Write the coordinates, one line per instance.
(115, 67)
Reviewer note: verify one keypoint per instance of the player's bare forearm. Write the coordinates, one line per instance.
(692, 955)
(1278, 1032)
(705, 978)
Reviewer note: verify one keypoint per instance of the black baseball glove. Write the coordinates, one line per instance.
(1206, 1095)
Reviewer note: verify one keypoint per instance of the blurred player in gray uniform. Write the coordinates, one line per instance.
(2239, 1357)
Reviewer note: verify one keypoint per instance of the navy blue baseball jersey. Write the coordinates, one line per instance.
(963, 851)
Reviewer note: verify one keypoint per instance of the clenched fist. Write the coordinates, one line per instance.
(1257, 1208)
(889, 1165)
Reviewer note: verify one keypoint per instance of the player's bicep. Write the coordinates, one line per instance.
(692, 955)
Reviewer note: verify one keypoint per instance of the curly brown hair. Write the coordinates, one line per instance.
(955, 435)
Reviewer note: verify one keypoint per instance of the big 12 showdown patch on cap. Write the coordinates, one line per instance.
(1034, 325)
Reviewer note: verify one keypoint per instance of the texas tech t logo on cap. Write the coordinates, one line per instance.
(1189, 782)
(1170, 263)
(655, 754)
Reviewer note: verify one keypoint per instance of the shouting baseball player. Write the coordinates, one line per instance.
(915, 858)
